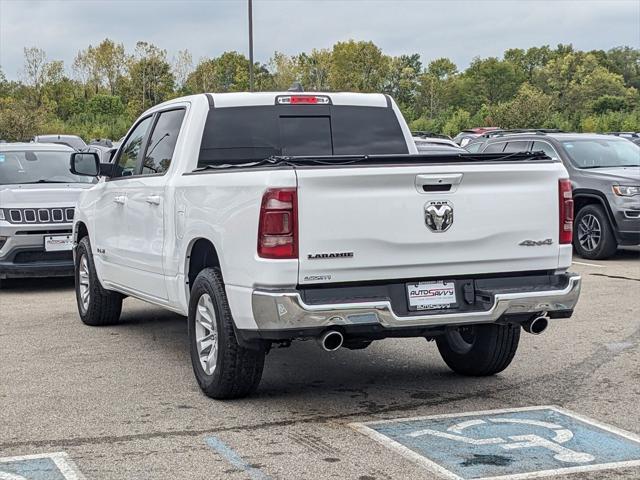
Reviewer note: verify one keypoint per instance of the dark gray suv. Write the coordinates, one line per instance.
(605, 173)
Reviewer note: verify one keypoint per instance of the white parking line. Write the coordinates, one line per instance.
(589, 264)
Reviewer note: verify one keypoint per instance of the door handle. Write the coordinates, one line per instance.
(120, 199)
(153, 199)
(444, 182)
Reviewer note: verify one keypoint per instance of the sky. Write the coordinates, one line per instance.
(457, 29)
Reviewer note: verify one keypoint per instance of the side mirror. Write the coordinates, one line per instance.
(85, 163)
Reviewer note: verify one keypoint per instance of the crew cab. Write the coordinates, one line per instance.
(272, 217)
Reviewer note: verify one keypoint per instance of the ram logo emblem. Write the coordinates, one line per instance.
(438, 216)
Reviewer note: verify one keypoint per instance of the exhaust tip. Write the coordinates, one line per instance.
(331, 340)
(536, 326)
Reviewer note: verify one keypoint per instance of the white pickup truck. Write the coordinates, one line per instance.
(270, 217)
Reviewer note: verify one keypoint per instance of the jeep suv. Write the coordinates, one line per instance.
(605, 173)
(38, 194)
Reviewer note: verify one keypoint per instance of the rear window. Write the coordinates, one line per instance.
(244, 134)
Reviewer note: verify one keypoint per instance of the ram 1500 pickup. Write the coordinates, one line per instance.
(271, 217)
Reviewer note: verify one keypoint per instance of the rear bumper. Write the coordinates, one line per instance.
(286, 311)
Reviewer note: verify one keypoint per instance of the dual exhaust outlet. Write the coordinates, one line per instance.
(536, 326)
(332, 340)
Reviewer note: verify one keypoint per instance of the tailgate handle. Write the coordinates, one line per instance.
(444, 182)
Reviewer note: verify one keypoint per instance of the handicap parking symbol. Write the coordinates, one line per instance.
(45, 466)
(507, 444)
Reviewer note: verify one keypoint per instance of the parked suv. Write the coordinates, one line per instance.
(605, 174)
(38, 194)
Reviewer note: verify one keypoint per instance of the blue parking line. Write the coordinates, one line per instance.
(234, 459)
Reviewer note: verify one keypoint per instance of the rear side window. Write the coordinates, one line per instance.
(245, 134)
(546, 148)
(473, 147)
(162, 142)
(519, 146)
(494, 148)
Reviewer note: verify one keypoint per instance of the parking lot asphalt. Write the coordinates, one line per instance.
(122, 401)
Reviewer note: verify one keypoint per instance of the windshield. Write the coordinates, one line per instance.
(19, 167)
(602, 153)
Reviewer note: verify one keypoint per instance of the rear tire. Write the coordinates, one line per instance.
(593, 236)
(222, 367)
(96, 305)
(479, 350)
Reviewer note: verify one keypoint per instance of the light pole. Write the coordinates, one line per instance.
(250, 45)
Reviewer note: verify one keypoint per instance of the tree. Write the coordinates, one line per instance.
(490, 81)
(110, 61)
(314, 69)
(182, 67)
(435, 85)
(19, 121)
(403, 82)
(530, 108)
(34, 72)
(625, 61)
(358, 67)
(152, 81)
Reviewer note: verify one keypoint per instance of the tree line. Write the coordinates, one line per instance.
(106, 87)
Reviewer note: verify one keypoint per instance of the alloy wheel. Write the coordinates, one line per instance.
(206, 334)
(84, 281)
(589, 232)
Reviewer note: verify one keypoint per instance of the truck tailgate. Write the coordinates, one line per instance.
(370, 222)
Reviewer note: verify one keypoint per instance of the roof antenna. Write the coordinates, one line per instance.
(296, 87)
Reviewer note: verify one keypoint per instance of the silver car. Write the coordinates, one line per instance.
(38, 194)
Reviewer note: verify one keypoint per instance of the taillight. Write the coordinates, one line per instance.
(566, 211)
(278, 228)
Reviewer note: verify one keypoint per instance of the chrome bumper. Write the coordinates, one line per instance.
(276, 310)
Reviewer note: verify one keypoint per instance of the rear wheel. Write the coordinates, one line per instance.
(479, 350)
(222, 367)
(593, 236)
(96, 305)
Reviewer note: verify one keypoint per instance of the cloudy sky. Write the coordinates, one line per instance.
(458, 29)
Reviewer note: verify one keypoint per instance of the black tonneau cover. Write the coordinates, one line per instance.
(334, 161)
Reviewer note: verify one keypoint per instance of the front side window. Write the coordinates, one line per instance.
(37, 166)
(128, 159)
(546, 148)
(602, 153)
(162, 142)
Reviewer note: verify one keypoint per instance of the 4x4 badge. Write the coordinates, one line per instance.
(536, 243)
(438, 215)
